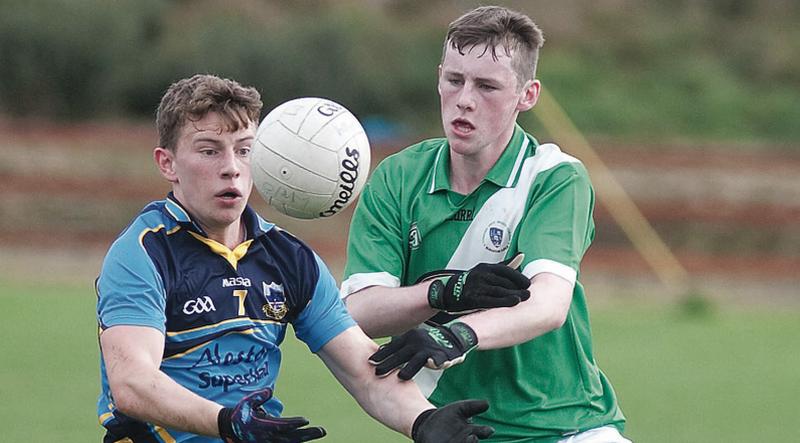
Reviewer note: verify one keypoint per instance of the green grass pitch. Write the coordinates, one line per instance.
(731, 375)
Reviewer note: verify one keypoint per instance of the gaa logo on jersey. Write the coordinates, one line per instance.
(276, 301)
(496, 237)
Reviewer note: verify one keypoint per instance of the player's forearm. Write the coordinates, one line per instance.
(391, 401)
(132, 355)
(155, 398)
(545, 311)
(381, 311)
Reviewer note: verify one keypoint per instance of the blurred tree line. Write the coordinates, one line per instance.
(717, 69)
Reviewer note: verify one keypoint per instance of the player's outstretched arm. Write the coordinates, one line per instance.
(396, 403)
(132, 355)
(382, 311)
(440, 346)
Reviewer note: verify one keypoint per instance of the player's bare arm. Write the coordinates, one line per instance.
(132, 355)
(395, 310)
(441, 346)
(382, 311)
(545, 311)
(397, 404)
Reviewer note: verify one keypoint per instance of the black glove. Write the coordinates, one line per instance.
(434, 346)
(248, 422)
(487, 285)
(451, 423)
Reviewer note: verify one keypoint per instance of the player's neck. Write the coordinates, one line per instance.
(230, 236)
(467, 171)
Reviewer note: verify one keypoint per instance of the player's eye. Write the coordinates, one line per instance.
(245, 151)
(455, 81)
(487, 87)
(208, 151)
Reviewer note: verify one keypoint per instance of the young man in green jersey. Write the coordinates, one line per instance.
(441, 228)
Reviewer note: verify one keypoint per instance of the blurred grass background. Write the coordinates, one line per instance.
(692, 103)
(724, 375)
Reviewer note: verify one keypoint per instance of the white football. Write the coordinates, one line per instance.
(310, 158)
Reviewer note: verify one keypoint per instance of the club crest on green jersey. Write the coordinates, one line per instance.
(496, 237)
(414, 238)
(276, 301)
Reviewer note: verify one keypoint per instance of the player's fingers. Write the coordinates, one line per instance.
(481, 432)
(468, 408)
(499, 297)
(393, 361)
(436, 360)
(258, 398)
(387, 349)
(495, 302)
(503, 277)
(307, 434)
(515, 261)
(452, 362)
(282, 424)
(413, 366)
(516, 279)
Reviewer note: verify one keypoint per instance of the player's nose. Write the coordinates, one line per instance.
(466, 99)
(230, 166)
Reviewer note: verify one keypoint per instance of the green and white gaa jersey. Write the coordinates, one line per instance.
(536, 200)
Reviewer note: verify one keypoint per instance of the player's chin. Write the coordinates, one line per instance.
(231, 202)
(460, 146)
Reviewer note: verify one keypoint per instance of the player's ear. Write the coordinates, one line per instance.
(439, 79)
(165, 160)
(529, 95)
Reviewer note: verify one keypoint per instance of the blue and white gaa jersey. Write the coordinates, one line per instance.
(223, 312)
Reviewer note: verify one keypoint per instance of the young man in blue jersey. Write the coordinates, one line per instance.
(195, 296)
(434, 221)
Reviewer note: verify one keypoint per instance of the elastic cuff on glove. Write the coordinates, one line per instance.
(419, 421)
(225, 425)
(464, 333)
(436, 294)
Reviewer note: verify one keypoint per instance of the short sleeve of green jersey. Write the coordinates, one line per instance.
(375, 248)
(557, 228)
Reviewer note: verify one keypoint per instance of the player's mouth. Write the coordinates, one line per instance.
(229, 195)
(462, 127)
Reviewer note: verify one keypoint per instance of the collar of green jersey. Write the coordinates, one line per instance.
(504, 173)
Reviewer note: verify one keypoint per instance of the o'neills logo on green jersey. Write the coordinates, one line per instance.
(414, 239)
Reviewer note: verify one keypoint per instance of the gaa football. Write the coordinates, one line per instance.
(311, 158)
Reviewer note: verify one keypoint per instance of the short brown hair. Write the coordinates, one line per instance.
(190, 99)
(498, 26)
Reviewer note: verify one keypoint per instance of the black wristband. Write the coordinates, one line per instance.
(419, 421)
(224, 424)
(464, 333)
(436, 294)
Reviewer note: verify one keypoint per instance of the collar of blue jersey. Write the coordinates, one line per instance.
(255, 225)
(504, 173)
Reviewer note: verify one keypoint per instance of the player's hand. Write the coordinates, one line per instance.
(434, 346)
(248, 422)
(451, 423)
(487, 285)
